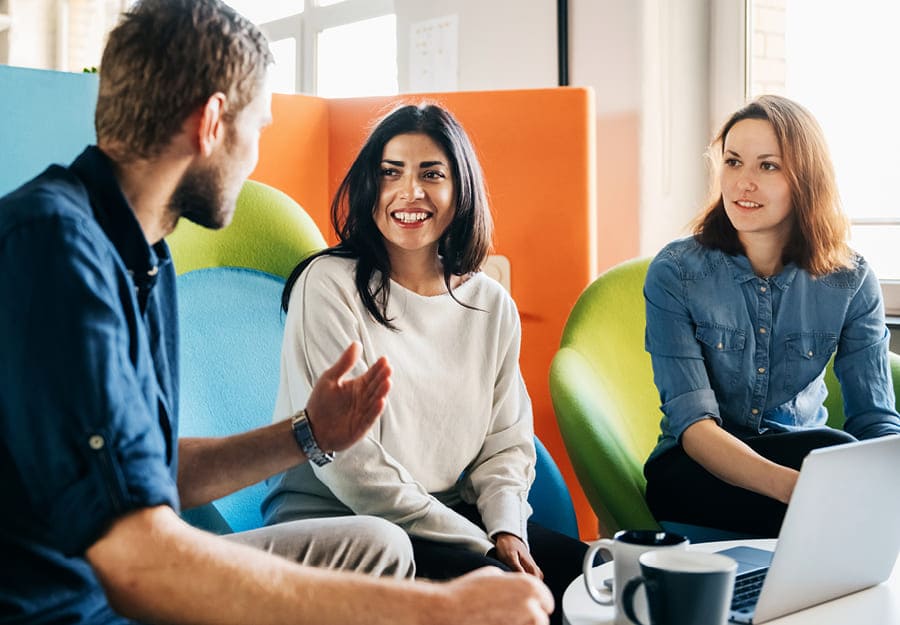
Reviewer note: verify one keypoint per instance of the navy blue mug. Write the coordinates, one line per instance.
(683, 588)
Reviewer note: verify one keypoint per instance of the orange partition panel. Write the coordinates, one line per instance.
(293, 154)
(538, 154)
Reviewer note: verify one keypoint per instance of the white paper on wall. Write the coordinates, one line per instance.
(434, 54)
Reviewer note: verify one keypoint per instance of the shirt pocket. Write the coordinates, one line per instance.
(723, 350)
(806, 355)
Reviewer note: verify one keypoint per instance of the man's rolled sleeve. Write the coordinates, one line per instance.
(81, 414)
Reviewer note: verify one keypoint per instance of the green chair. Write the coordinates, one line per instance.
(607, 407)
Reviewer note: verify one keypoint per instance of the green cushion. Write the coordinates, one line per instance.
(270, 232)
(601, 383)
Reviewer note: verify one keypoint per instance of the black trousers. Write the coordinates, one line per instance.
(558, 556)
(682, 491)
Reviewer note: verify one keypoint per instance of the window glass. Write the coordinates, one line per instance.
(831, 58)
(358, 59)
(283, 74)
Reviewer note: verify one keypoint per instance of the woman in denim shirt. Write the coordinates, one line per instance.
(742, 318)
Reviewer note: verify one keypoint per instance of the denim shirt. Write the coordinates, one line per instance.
(750, 352)
(88, 385)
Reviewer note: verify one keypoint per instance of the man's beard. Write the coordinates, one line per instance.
(200, 198)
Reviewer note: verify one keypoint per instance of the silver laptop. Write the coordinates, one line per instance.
(841, 533)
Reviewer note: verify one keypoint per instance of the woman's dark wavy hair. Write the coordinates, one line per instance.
(466, 242)
(818, 240)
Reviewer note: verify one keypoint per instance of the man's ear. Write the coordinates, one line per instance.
(211, 129)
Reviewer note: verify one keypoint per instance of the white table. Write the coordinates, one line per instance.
(877, 605)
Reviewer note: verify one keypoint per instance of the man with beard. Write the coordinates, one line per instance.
(92, 472)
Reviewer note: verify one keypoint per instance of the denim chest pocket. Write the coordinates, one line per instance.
(723, 349)
(806, 354)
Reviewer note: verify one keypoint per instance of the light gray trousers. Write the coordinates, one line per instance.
(364, 544)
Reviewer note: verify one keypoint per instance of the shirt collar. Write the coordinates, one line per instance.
(115, 215)
(742, 271)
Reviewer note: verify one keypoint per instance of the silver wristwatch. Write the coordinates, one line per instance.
(307, 442)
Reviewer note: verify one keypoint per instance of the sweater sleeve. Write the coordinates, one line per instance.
(503, 472)
(324, 316)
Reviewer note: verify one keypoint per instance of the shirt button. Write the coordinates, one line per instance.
(809, 353)
(762, 330)
(96, 442)
(719, 346)
(762, 289)
(761, 370)
(153, 271)
(755, 411)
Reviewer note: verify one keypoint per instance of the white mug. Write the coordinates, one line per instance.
(625, 548)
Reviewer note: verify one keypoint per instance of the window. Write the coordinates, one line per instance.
(332, 48)
(339, 74)
(830, 58)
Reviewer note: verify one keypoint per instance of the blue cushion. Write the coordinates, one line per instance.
(231, 327)
(549, 496)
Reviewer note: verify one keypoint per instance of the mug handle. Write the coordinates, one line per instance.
(588, 566)
(628, 598)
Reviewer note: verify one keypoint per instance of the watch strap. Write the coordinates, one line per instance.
(307, 442)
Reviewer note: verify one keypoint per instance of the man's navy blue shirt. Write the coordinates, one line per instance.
(88, 385)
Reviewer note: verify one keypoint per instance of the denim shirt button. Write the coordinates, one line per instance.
(719, 346)
(762, 330)
(761, 370)
(755, 411)
(96, 442)
(762, 289)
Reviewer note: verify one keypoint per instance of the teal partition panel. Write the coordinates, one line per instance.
(45, 117)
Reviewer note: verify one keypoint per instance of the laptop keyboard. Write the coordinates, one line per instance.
(746, 589)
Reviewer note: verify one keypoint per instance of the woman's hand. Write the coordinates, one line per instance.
(513, 552)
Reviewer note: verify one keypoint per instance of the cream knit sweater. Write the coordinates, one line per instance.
(457, 407)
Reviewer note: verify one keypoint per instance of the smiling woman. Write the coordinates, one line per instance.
(452, 459)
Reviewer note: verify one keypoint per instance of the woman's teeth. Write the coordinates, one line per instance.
(409, 218)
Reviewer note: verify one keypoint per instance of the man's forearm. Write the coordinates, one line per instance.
(156, 569)
(210, 468)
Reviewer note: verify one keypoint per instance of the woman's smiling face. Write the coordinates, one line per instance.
(417, 200)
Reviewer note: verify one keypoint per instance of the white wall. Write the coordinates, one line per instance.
(504, 44)
(510, 44)
(675, 125)
(605, 52)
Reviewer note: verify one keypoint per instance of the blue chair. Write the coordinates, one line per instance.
(549, 496)
(231, 328)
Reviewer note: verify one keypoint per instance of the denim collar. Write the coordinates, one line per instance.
(742, 271)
